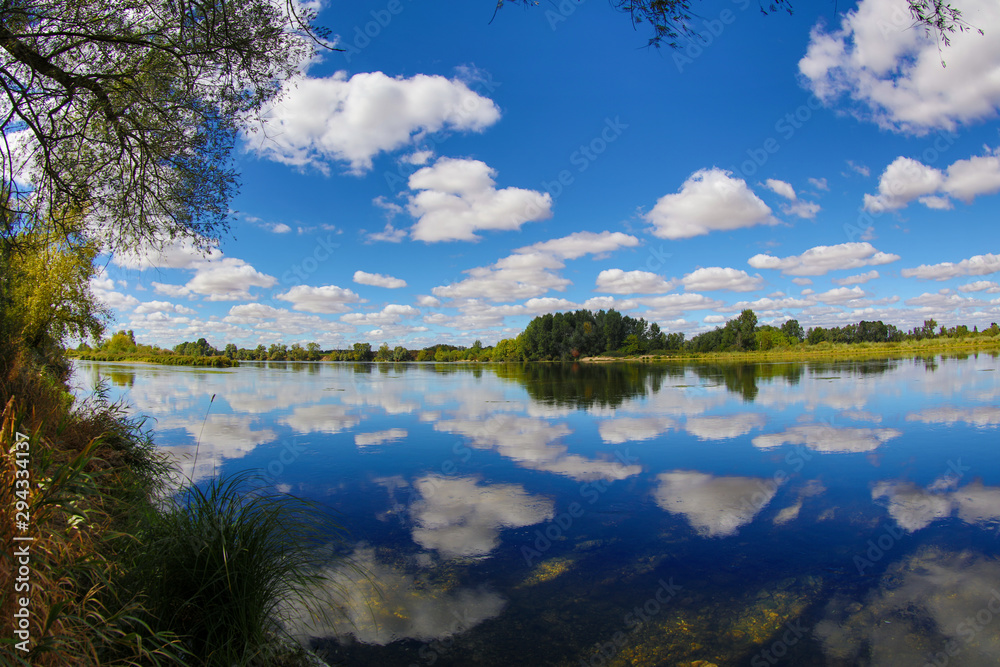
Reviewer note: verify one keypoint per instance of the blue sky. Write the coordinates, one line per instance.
(446, 179)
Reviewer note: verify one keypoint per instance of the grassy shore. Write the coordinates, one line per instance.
(107, 560)
(827, 351)
(165, 359)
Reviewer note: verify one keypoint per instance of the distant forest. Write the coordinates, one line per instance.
(558, 336)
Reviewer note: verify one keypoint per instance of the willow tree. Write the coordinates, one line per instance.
(127, 110)
(669, 20)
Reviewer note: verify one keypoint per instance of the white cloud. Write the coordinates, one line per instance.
(892, 71)
(822, 259)
(531, 270)
(977, 265)
(710, 200)
(669, 306)
(859, 279)
(161, 307)
(391, 314)
(988, 286)
(616, 281)
(428, 301)
(819, 184)
(455, 198)
(389, 234)
(171, 290)
(353, 119)
(907, 179)
(378, 280)
(326, 299)
(579, 244)
(713, 278)
(841, 295)
(781, 187)
(802, 209)
(904, 180)
(631, 429)
(228, 279)
(179, 254)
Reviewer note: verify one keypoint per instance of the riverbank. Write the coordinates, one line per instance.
(165, 359)
(823, 351)
(126, 563)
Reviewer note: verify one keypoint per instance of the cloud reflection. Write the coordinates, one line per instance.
(459, 517)
(829, 439)
(714, 506)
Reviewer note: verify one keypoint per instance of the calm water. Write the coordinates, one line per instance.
(827, 514)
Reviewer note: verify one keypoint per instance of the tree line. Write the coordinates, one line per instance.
(567, 336)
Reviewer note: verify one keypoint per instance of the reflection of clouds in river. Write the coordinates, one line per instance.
(979, 416)
(914, 508)
(379, 603)
(625, 429)
(724, 427)
(924, 604)
(714, 506)
(528, 442)
(830, 439)
(458, 517)
(380, 437)
(222, 437)
(327, 418)
(812, 488)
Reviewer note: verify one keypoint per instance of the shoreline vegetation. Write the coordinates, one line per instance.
(594, 338)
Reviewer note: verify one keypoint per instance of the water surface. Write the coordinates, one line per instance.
(758, 514)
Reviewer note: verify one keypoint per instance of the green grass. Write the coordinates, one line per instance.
(828, 351)
(121, 576)
(165, 359)
(228, 561)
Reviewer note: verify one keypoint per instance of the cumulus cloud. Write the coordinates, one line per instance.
(351, 120)
(325, 299)
(841, 295)
(859, 279)
(532, 270)
(617, 281)
(177, 254)
(710, 200)
(378, 280)
(989, 286)
(977, 265)
(801, 209)
(391, 314)
(822, 259)
(579, 244)
(161, 307)
(891, 72)
(781, 187)
(455, 198)
(228, 279)
(712, 278)
(906, 179)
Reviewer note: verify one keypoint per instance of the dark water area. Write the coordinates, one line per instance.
(829, 513)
